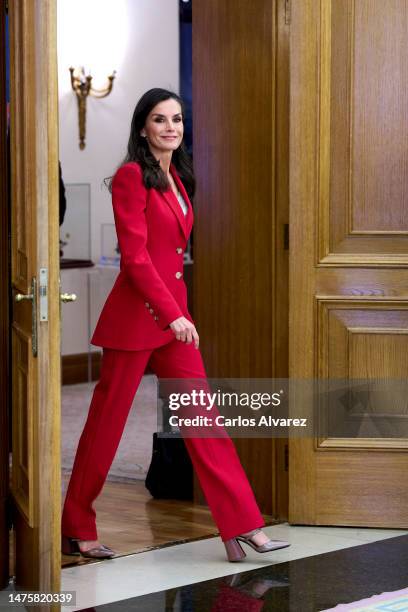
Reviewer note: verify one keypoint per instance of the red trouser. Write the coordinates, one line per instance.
(215, 460)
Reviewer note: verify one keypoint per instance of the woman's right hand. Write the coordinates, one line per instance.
(185, 331)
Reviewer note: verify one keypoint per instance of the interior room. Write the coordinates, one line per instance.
(258, 212)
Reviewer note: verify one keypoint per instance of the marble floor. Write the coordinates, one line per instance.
(324, 566)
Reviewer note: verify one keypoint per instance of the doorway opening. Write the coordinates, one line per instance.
(89, 255)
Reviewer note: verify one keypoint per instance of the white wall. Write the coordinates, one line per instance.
(138, 39)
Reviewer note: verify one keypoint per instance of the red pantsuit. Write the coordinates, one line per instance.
(133, 331)
(215, 460)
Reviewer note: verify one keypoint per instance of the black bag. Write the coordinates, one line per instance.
(170, 474)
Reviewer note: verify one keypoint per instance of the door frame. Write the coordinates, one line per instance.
(4, 316)
(236, 153)
(36, 474)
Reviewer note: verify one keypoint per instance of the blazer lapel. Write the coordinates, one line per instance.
(176, 208)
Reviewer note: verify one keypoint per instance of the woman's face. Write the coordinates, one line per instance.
(164, 127)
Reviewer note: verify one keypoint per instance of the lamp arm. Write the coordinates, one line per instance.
(102, 93)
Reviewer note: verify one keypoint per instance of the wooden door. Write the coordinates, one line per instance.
(349, 246)
(240, 128)
(35, 483)
(4, 316)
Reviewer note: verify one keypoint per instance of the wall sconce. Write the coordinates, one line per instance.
(82, 86)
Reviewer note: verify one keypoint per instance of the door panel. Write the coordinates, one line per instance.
(35, 483)
(363, 134)
(348, 264)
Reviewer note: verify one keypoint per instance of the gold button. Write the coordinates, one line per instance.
(156, 318)
(179, 250)
(147, 304)
(179, 274)
(151, 310)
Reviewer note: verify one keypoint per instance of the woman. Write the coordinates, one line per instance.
(145, 320)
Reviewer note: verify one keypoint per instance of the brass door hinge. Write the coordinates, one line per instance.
(287, 12)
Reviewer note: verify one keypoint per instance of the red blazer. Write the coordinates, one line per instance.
(149, 292)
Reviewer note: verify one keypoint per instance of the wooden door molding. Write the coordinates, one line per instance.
(348, 221)
(35, 482)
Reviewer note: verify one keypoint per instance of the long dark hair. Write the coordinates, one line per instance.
(138, 148)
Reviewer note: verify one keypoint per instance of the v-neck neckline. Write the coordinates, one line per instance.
(171, 188)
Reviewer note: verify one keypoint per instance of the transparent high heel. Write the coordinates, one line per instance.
(70, 546)
(235, 551)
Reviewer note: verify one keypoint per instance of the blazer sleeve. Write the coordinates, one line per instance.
(129, 199)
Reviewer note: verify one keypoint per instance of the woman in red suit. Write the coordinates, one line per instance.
(145, 320)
